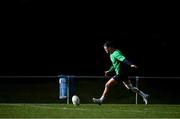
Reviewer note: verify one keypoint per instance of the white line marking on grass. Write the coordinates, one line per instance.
(49, 107)
(45, 106)
(10, 104)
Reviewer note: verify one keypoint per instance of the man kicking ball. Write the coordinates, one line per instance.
(117, 60)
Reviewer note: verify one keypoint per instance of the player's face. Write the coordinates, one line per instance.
(107, 49)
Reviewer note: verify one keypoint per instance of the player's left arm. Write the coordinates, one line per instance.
(127, 62)
(123, 59)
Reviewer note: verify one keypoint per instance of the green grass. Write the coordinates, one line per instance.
(20, 110)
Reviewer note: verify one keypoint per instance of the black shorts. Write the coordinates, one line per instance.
(121, 77)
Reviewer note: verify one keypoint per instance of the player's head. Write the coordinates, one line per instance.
(108, 47)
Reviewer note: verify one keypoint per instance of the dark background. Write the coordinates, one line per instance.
(53, 38)
(50, 38)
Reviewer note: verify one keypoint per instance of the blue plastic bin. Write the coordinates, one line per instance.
(63, 86)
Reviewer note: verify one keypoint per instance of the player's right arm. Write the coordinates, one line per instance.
(109, 71)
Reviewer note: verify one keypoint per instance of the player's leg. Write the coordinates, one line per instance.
(129, 86)
(108, 85)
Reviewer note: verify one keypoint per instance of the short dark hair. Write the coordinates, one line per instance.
(108, 44)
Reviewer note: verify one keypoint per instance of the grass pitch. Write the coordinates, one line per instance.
(20, 110)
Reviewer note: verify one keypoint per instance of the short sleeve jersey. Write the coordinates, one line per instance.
(117, 58)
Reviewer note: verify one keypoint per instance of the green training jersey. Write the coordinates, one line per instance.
(116, 58)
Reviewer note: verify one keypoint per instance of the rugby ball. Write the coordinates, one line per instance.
(75, 100)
